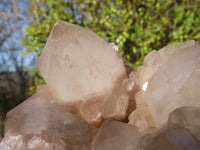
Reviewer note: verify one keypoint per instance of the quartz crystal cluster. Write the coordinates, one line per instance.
(92, 100)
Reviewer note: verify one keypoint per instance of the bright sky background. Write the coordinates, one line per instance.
(30, 60)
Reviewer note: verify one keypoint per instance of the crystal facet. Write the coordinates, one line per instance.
(76, 63)
(93, 100)
(167, 81)
(113, 135)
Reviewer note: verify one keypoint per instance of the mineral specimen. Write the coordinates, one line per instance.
(38, 119)
(115, 107)
(77, 64)
(80, 70)
(170, 78)
(94, 101)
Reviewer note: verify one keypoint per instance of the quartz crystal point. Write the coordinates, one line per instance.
(77, 64)
(84, 73)
(115, 107)
(170, 78)
(38, 119)
(113, 135)
(90, 111)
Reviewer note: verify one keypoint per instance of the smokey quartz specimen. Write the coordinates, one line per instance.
(94, 101)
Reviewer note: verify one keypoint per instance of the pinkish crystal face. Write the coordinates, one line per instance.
(76, 63)
(36, 115)
(168, 80)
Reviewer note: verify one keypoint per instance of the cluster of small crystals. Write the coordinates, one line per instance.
(93, 101)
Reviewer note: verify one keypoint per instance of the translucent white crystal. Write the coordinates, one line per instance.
(81, 71)
(76, 63)
(173, 81)
(129, 84)
(38, 117)
(90, 111)
(115, 107)
(11, 142)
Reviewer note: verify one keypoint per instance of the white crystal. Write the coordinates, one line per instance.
(167, 81)
(76, 63)
(38, 117)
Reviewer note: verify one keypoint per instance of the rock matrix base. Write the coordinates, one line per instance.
(93, 101)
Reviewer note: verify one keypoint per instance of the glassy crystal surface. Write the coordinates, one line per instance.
(90, 111)
(169, 79)
(76, 63)
(115, 107)
(38, 117)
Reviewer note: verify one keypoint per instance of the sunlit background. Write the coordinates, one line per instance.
(135, 26)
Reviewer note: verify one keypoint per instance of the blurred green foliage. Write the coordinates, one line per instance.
(136, 26)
